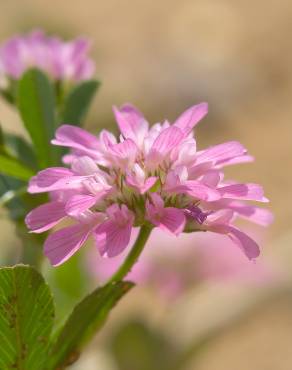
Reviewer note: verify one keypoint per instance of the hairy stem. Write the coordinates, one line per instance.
(133, 256)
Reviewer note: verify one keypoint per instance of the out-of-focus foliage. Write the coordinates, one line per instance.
(86, 319)
(77, 102)
(136, 346)
(36, 104)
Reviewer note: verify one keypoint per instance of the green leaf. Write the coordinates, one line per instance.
(77, 102)
(16, 206)
(136, 345)
(23, 202)
(86, 319)
(36, 103)
(9, 195)
(26, 318)
(1, 136)
(12, 167)
(21, 149)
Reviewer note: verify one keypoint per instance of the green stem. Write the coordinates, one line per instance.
(134, 254)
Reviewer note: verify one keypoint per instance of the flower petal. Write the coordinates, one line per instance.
(198, 190)
(242, 240)
(258, 215)
(167, 140)
(188, 120)
(112, 239)
(45, 216)
(143, 186)
(148, 184)
(84, 166)
(54, 178)
(131, 122)
(211, 178)
(79, 203)
(221, 153)
(126, 150)
(77, 138)
(246, 158)
(173, 220)
(222, 216)
(62, 244)
(243, 191)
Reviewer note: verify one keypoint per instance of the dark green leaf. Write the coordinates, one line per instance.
(12, 167)
(1, 136)
(9, 195)
(16, 206)
(86, 319)
(36, 103)
(21, 149)
(77, 102)
(26, 318)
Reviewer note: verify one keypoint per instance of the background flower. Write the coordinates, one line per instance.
(61, 60)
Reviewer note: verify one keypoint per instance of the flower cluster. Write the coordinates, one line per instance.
(148, 176)
(60, 60)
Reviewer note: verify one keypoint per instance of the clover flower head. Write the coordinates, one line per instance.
(148, 176)
(61, 60)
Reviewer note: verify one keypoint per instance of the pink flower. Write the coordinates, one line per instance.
(150, 175)
(166, 218)
(113, 235)
(174, 265)
(59, 59)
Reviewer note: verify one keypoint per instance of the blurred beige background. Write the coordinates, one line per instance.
(164, 56)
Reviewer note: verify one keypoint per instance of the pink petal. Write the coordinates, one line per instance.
(188, 120)
(149, 183)
(125, 150)
(211, 178)
(261, 216)
(221, 153)
(223, 216)
(84, 166)
(243, 191)
(169, 218)
(77, 138)
(141, 187)
(131, 122)
(47, 178)
(199, 170)
(157, 201)
(45, 216)
(62, 244)
(196, 190)
(167, 140)
(79, 203)
(55, 178)
(236, 160)
(107, 138)
(201, 191)
(111, 238)
(173, 220)
(243, 241)
(51, 175)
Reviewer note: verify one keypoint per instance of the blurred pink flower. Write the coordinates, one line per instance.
(174, 265)
(150, 176)
(61, 60)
